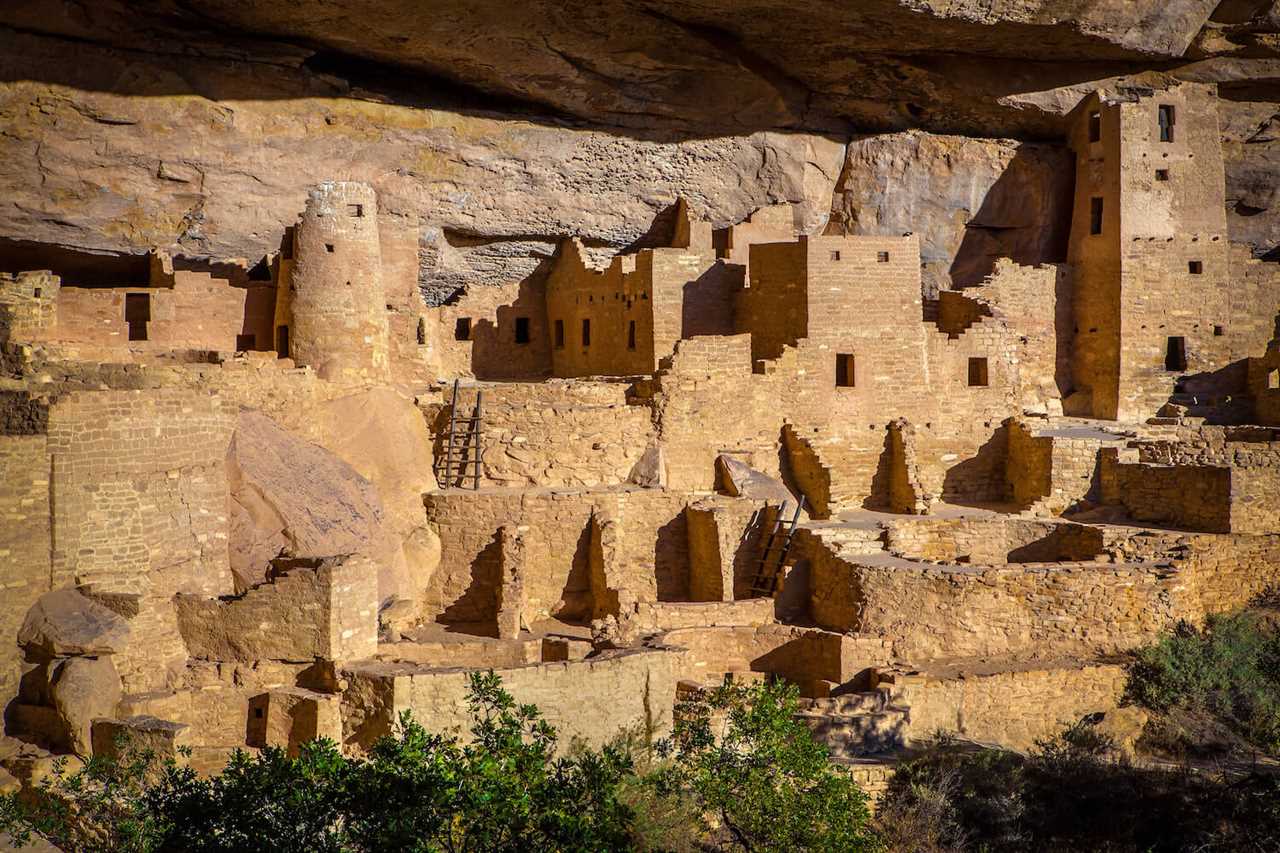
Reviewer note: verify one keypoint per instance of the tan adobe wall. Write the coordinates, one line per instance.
(28, 305)
(490, 350)
(639, 289)
(555, 433)
(139, 496)
(798, 654)
(699, 399)
(774, 307)
(994, 542)
(1015, 611)
(407, 312)
(337, 313)
(1013, 709)
(1095, 259)
(24, 542)
(1192, 497)
(329, 611)
(1228, 572)
(646, 552)
(589, 699)
(188, 310)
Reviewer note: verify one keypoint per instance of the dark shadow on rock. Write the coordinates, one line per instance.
(980, 479)
(1006, 226)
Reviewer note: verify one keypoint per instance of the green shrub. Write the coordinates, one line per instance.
(763, 782)
(1072, 793)
(1229, 669)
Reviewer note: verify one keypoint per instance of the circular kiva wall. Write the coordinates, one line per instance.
(995, 541)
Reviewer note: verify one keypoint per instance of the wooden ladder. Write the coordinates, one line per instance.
(776, 548)
(462, 449)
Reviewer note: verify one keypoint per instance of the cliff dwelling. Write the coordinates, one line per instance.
(939, 485)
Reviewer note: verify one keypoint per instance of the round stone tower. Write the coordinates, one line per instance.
(336, 311)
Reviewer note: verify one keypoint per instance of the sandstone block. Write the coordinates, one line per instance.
(64, 622)
(84, 689)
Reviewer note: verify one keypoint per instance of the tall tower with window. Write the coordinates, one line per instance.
(1148, 249)
(334, 319)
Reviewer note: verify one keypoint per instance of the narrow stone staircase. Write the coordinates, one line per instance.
(854, 725)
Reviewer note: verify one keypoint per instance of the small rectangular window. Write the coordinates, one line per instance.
(36, 293)
(1273, 380)
(244, 343)
(882, 257)
(1095, 215)
(328, 247)
(1165, 119)
(631, 335)
(1175, 355)
(586, 333)
(462, 329)
(1195, 267)
(835, 255)
(846, 374)
(1219, 331)
(356, 210)
(977, 373)
(559, 327)
(522, 330)
(1162, 174)
(137, 313)
(1095, 127)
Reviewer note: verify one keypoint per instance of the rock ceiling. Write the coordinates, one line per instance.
(196, 123)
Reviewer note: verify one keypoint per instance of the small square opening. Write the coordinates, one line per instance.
(244, 343)
(462, 329)
(1175, 354)
(846, 371)
(586, 333)
(631, 334)
(559, 334)
(1219, 331)
(1162, 174)
(522, 330)
(328, 247)
(1195, 267)
(1095, 215)
(835, 254)
(978, 373)
(882, 257)
(356, 210)
(37, 292)
(1095, 127)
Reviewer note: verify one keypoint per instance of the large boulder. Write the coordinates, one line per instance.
(292, 498)
(64, 623)
(382, 435)
(83, 690)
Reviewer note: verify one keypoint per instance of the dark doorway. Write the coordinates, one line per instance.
(282, 341)
(137, 313)
(522, 330)
(1175, 355)
(845, 375)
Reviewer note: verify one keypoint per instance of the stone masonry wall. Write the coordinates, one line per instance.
(593, 699)
(139, 500)
(329, 611)
(24, 542)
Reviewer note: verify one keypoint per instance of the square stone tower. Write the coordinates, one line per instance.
(1148, 247)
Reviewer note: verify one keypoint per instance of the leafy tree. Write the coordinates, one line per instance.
(416, 791)
(760, 779)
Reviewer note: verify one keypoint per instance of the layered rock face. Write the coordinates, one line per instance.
(196, 126)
